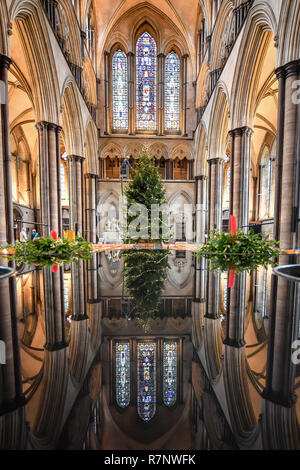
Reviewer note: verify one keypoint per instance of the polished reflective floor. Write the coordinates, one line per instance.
(123, 352)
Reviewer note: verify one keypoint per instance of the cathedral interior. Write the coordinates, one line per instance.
(212, 89)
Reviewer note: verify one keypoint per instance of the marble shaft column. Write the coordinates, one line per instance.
(239, 207)
(161, 94)
(11, 395)
(201, 219)
(91, 203)
(285, 295)
(6, 204)
(50, 186)
(106, 92)
(76, 183)
(131, 92)
(215, 192)
(184, 94)
(54, 310)
(78, 292)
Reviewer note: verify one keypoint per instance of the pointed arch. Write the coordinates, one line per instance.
(29, 24)
(146, 82)
(72, 119)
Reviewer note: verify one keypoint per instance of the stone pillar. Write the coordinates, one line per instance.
(93, 281)
(161, 94)
(106, 92)
(201, 219)
(131, 92)
(76, 184)
(184, 94)
(54, 309)
(78, 292)
(91, 204)
(169, 169)
(50, 192)
(6, 204)
(239, 207)
(215, 193)
(284, 296)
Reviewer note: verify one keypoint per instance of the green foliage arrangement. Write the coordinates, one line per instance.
(46, 251)
(146, 188)
(145, 273)
(240, 252)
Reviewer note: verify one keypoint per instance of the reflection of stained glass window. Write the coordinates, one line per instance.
(146, 82)
(146, 373)
(172, 87)
(122, 374)
(170, 373)
(120, 91)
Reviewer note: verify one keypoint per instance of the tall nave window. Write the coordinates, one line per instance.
(120, 91)
(146, 64)
(172, 92)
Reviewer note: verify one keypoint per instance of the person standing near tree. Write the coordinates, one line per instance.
(23, 236)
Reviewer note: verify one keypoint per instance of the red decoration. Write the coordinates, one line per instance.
(55, 269)
(53, 234)
(231, 279)
(233, 225)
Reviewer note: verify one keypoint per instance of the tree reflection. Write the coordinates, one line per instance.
(145, 273)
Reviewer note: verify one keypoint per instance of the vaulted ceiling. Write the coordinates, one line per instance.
(184, 16)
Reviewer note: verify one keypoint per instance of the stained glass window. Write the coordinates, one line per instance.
(172, 92)
(120, 91)
(170, 373)
(123, 374)
(146, 61)
(146, 374)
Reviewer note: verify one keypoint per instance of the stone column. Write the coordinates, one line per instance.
(78, 292)
(106, 92)
(91, 203)
(131, 93)
(215, 193)
(6, 204)
(285, 295)
(76, 184)
(50, 193)
(239, 207)
(201, 219)
(184, 94)
(169, 169)
(161, 94)
(54, 309)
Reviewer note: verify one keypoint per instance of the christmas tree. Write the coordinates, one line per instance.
(146, 190)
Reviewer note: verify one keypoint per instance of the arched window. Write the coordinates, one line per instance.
(146, 377)
(120, 91)
(170, 373)
(146, 63)
(172, 92)
(267, 183)
(123, 374)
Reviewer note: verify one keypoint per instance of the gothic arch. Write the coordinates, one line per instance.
(72, 119)
(289, 32)
(3, 28)
(257, 39)
(219, 125)
(225, 20)
(28, 22)
(112, 151)
(201, 151)
(91, 145)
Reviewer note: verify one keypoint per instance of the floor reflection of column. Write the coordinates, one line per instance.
(280, 423)
(12, 400)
